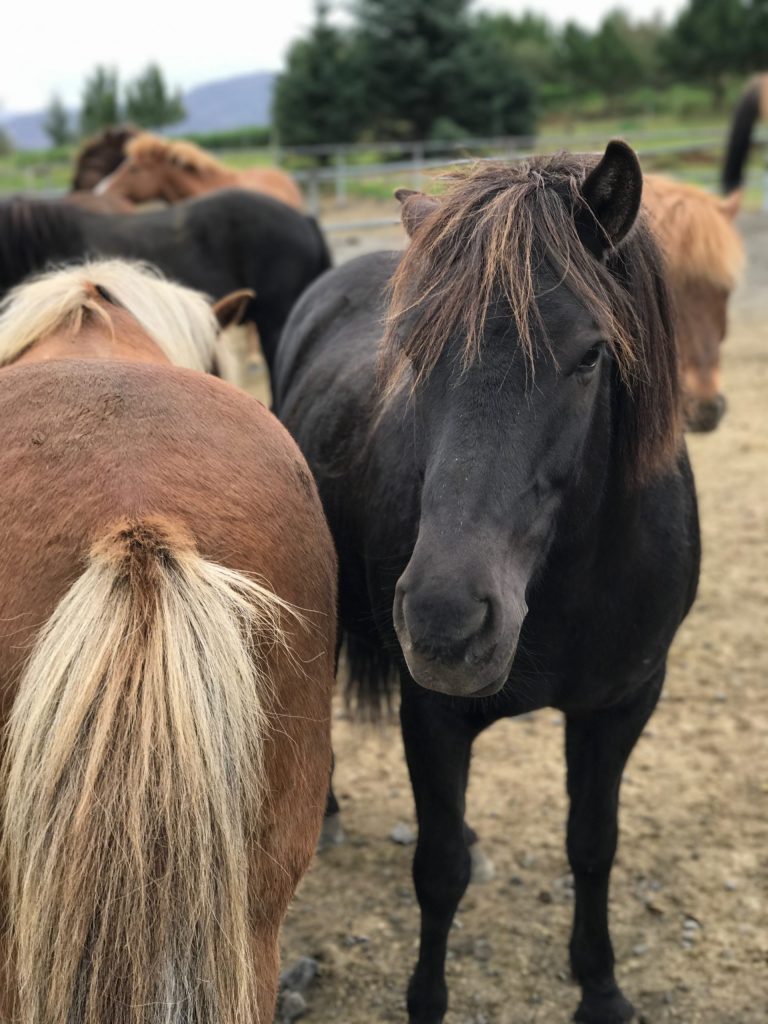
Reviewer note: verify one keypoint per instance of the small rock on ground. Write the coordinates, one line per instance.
(403, 834)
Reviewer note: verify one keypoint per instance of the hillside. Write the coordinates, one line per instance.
(236, 102)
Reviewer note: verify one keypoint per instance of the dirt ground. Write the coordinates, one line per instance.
(690, 886)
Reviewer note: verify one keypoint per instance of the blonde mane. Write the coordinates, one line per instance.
(149, 148)
(695, 231)
(180, 321)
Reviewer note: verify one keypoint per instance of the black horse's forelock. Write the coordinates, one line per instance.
(494, 226)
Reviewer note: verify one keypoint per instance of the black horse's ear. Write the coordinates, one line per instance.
(611, 192)
(231, 309)
(415, 207)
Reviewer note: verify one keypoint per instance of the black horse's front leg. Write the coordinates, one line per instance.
(438, 741)
(597, 747)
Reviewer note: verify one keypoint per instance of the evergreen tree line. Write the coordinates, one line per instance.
(420, 69)
(146, 100)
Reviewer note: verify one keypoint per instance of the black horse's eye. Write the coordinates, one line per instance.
(590, 358)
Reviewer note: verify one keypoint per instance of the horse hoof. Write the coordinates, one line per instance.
(482, 867)
(606, 1008)
(332, 833)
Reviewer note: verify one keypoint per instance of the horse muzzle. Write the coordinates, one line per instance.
(704, 415)
(456, 643)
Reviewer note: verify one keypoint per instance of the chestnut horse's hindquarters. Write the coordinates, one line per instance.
(134, 786)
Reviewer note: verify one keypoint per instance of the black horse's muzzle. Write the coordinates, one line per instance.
(455, 642)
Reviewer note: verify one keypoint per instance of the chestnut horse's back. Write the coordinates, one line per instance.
(273, 181)
(169, 582)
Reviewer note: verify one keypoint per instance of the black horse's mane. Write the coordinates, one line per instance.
(35, 234)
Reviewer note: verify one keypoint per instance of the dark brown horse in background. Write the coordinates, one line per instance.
(751, 108)
(166, 705)
(100, 155)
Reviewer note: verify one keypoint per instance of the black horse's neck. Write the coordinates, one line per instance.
(35, 234)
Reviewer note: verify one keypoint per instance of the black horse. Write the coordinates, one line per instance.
(514, 511)
(219, 243)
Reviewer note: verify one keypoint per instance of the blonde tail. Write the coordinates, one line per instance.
(133, 789)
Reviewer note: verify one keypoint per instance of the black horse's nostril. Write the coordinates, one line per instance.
(442, 626)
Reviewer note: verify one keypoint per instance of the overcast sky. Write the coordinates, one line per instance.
(50, 47)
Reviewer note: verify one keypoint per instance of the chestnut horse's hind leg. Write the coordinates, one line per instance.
(438, 741)
(597, 747)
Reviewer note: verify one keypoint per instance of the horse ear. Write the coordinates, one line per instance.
(231, 309)
(611, 192)
(415, 207)
(731, 205)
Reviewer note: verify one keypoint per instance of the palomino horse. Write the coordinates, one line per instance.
(496, 436)
(158, 168)
(216, 244)
(166, 702)
(705, 256)
(751, 108)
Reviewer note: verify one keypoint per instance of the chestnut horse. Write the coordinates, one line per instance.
(166, 704)
(158, 168)
(704, 256)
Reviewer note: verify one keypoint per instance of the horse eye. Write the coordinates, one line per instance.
(590, 357)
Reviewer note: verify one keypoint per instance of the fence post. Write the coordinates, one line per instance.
(418, 164)
(341, 179)
(313, 188)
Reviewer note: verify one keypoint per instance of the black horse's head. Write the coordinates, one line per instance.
(528, 319)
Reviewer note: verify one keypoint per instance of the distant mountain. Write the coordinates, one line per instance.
(237, 102)
(26, 130)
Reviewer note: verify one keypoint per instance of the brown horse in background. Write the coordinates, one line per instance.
(100, 155)
(158, 168)
(704, 256)
(167, 598)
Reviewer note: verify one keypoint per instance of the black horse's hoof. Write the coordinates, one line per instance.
(483, 868)
(605, 1008)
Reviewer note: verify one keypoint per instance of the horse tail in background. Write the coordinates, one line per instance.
(134, 785)
(748, 111)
